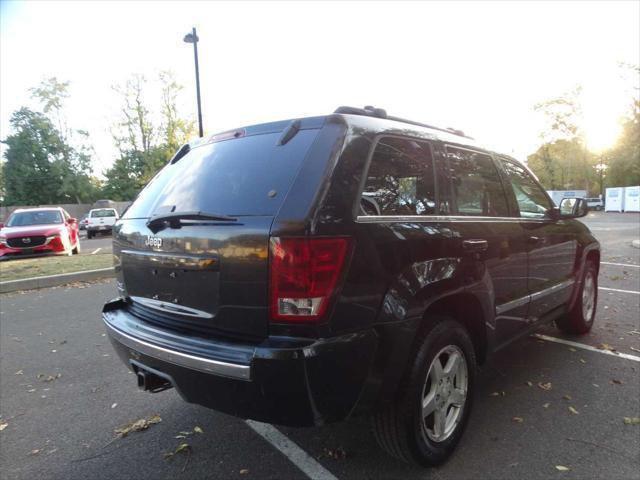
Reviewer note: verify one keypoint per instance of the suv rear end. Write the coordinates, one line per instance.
(225, 288)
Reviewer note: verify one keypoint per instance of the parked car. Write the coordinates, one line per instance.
(82, 224)
(101, 220)
(595, 203)
(306, 271)
(30, 231)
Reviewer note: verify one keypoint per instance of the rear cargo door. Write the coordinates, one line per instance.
(209, 275)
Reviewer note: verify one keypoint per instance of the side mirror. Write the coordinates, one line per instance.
(72, 220)
(573, 208)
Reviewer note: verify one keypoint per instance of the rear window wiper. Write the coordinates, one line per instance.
(174, 219)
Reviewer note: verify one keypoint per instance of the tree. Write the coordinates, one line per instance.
(144, 146)
(31, 152)
(624, 158)
(51, 93)
(40, 167)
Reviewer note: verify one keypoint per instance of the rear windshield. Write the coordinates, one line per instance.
(244, 176)
(105, 212)
(37, 217)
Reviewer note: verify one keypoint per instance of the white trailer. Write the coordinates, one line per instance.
(614, 199)
(632, 199)
(558, 195)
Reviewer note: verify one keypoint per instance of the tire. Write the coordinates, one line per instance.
(580, 319)
(89, 235)
(400, 428)
(76, 249)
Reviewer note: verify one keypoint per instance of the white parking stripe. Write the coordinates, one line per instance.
(96, 250)
(293, 452)
(618, 290)
(620, 264)
(626, 356)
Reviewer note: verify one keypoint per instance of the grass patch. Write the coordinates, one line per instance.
(16, 269)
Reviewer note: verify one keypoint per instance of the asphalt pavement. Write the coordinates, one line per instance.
(62, 427)
(98, 244)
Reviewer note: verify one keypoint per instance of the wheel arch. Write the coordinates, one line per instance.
(466, 309)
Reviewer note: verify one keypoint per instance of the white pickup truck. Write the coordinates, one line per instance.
(101, 220)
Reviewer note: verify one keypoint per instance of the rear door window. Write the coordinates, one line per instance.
(244, 176)
(105, 212)
(400, 179)
(475, 185)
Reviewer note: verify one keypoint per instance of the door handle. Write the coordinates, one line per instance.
(479, 245)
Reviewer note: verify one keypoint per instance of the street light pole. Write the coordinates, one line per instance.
(193, 38)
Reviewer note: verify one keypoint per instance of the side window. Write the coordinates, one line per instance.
(532, 201)
(400, 179)
(475, 184)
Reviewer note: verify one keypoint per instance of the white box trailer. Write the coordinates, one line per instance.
(614, 199)
(558, 195)
(632, 199)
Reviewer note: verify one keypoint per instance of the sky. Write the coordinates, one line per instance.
(476, 66)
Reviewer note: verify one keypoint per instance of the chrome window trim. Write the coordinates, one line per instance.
(206, 365)
(443, 218)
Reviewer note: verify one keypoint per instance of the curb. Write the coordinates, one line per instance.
(55, 280)
(635, 243)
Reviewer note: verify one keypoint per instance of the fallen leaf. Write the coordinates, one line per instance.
(114, 405)
(54, 351)
(183, 447)
(19, 372)
(546, 405)
(518, 419)
(635, 349)
(606, 346)
(545, 386)
(137, 426)
(595, 385)
(562, 468)
(180, 436)
(244, 471)
(494, 394)
(35, 451)
(615, 381)
(573, 410)
(529, 384)
(197, 429)
(185, 433)
(627, 421)
(567, 397)
(4, 425)
(337, 453)
(582, 360)
(571, 349)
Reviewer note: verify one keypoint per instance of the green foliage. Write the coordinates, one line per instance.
(623, 159)
(565, 165)
(145, 147)
(40, 167)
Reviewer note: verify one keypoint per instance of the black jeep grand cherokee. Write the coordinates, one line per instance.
(305, 271)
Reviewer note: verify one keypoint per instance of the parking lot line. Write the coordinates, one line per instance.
(618, 290)
(620, 264)
(626, 356)
(293, 452)
(96, 250)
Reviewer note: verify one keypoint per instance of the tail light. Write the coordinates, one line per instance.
(303, 276)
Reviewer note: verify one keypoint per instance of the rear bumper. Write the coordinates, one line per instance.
(287, 381)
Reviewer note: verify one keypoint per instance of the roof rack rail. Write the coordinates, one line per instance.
(370, 111)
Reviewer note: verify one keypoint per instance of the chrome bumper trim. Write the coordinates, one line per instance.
(206, 365)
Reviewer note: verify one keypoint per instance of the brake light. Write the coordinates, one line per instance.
(304, 275)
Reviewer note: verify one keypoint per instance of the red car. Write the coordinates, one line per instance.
(31, 231)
